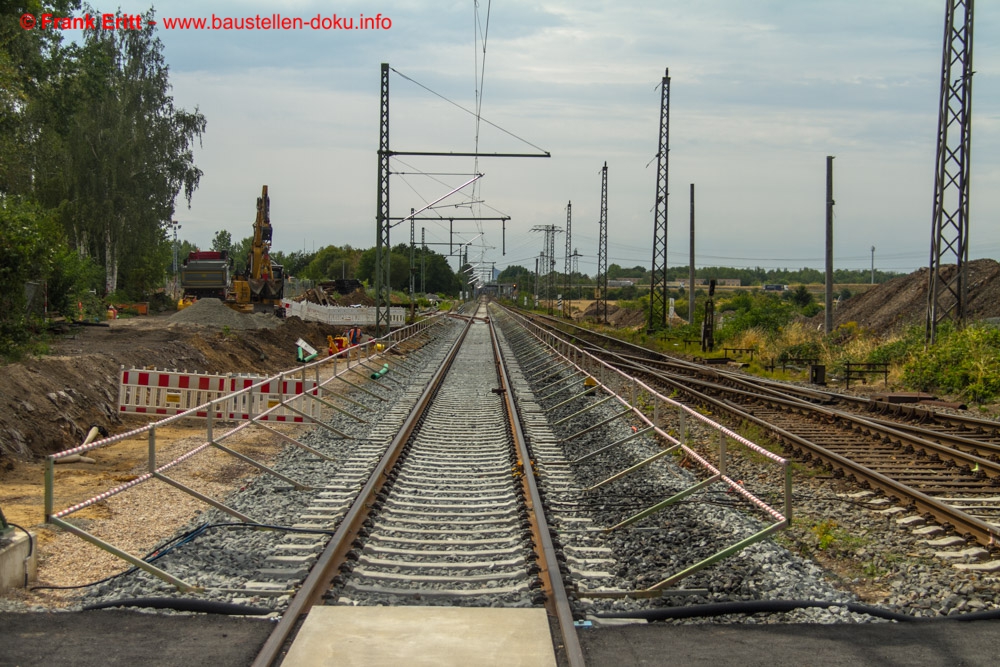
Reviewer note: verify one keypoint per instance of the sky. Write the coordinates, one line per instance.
(760, 93)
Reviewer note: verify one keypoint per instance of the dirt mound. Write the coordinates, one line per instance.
(902, 302)
(358, 297)
(623, 318)
(214, 313)
(48, 404)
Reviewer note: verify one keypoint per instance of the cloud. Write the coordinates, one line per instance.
(760, 93)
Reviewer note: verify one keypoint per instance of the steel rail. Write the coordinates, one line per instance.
(328, 563)
(949, 516)
(906, 411)
(557, 600)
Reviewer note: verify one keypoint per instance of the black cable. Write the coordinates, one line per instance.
(777, 606)
(184, 604)
(174, 542)
(31, 540)
(31, 546)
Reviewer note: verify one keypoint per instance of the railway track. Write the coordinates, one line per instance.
(941, 464)
(488, 484)
(450, 515)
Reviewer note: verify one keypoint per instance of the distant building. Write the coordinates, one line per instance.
(720, 282)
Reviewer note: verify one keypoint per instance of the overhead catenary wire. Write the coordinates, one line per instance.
(542, 151)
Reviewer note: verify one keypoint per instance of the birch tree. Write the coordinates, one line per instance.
(129, 148)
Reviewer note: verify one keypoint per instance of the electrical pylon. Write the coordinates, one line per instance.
(947, 290)
(602, 251)
(658, 277)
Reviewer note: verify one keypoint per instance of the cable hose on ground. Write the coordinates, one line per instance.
(184, 604)
(776, 606)
(177, 541)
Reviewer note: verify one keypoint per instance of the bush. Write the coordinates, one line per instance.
(965, 363)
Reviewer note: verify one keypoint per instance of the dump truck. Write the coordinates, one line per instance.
(204, 274)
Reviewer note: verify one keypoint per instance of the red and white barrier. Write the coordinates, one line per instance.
(166, 393)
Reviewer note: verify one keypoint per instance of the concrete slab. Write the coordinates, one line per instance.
(423, 637)
(18, 560)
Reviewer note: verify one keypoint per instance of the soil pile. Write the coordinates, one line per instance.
(902, 302)
(214, 313)
(49, 403)
(623, 318)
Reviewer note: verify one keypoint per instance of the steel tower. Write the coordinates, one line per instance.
(947, 290)
(658, 278)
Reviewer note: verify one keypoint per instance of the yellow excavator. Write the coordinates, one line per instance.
(262, 282)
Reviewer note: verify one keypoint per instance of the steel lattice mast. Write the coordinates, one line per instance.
(548, 258)
(947, 291)
(569, 248)
(382, 288)
(658, 278)
(602, 250)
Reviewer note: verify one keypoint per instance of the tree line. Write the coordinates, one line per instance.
(332, 262)
(93, 156)
(748, 277)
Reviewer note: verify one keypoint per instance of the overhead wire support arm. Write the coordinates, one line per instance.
(452, 217)
(454, 154)
(439, 199)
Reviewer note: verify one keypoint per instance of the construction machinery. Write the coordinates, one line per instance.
(259, 286)
(205, 274)
(263, 281)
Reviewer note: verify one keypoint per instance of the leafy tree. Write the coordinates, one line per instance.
(128, 150)
(26, 254)
(399, 269)
(440, 277)
(31, 62)
(294, 263)
(222, 242)
(240, 252)
(333, 262)
(801, 296)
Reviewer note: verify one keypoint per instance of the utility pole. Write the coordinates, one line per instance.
(382, 248)
(658, 273)
(947, 291)
(568, 254)
(873, 265)
(548, 262)
(413, 255)
(413, 267)
(602, 250)
(536, 276)
(828, 315)
(573, 270)
(423, 263)
(176, 225)
(691, 265)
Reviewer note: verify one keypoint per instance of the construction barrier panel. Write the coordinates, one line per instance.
(155, 392)
(340, 315)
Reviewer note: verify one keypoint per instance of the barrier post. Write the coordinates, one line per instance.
(209, 418)
(722, 453)
(152, 449)
(50, 480)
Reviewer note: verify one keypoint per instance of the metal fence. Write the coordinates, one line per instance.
(249, 402)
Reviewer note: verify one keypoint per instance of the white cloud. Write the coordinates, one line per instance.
(761, 92)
